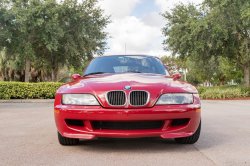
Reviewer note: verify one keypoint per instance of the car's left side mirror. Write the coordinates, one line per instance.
(75, 76)
(178, 76)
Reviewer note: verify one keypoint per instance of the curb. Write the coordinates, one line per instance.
(28, 101)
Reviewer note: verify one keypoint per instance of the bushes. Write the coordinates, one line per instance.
(21, 90)
(223, 92)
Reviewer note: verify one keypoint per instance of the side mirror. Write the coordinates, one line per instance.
(75, 76)
(178, 76)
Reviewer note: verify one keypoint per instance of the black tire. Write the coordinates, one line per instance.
(191, 139)
(67, 141)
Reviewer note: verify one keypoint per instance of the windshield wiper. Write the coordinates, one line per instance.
(93, 73)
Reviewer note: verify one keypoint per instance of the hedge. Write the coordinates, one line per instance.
(21, 90)
(223, 92)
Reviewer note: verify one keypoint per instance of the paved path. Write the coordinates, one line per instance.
(28, 137)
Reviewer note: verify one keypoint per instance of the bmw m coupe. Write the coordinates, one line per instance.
(127, 96)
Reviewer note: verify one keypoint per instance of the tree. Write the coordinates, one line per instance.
(201, 72)
(196, 72)
(189, 35)
(227, 70)
(174, 64)
(59, 33)
(12, 38)
(231, 20)
(218, 28)
(177, 29)
(11, 67)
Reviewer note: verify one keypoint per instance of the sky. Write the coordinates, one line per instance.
(137, 24)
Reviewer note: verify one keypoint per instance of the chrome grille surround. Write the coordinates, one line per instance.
(112, 100)
(132, 103)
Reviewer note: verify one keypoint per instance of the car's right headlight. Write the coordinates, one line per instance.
(79, 99)
(175, 98)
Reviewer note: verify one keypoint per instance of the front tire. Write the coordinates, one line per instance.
(191, 139)
(67, 141)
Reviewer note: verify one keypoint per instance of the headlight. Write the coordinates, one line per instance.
(79, 99)
(175, 98)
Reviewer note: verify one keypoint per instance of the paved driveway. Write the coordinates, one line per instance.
(28, 137)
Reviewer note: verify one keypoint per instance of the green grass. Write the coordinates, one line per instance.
(223, 92)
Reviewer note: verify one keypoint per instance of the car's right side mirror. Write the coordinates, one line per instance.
(177, 75)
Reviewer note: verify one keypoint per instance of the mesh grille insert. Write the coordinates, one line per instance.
(138, 98)
(135, 125)
(116, 98)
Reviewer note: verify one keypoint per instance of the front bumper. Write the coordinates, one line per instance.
(88, 114)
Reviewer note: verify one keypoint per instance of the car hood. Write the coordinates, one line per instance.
(99, 84)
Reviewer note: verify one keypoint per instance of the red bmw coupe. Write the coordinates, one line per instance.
(127, 96)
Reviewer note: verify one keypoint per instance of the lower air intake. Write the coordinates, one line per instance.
(74, 122)
(135, 125)
(179, 122)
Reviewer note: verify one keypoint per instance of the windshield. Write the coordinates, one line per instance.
(121, 64)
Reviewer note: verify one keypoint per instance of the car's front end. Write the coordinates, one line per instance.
(127, 105)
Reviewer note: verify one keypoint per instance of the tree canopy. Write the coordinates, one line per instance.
(55, 33)
(213, 29)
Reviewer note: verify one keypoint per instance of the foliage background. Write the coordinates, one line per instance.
(39, 38)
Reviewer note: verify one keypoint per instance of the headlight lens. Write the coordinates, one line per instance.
(175, 98)
(79, 99)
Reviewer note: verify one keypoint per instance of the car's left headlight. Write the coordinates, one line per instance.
(175, 98)
(79, 99)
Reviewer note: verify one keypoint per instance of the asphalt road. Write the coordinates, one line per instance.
(28, 137)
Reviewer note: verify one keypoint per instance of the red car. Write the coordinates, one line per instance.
(127, 96)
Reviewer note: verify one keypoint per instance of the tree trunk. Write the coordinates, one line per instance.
(3, 75)
(34, 78)
(54, 67)
(221, 82)
(6, 74)
(48, 77)
(205, 84)
(246, 76)
(40, 76)
(22, 76)
(12, 75)
(54, 75)
(27, 69)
